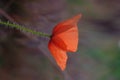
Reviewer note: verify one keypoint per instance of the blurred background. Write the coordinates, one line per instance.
(24, 56)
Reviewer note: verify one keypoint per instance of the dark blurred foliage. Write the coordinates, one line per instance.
(99, 45)
(24, 56)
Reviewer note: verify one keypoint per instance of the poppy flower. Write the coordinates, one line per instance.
(64, 39)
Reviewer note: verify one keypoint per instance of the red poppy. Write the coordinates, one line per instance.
(64, 39)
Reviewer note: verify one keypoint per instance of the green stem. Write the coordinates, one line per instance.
(24, 29)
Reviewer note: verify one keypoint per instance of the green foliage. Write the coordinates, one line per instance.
(97, 54)
(76, 2)
(115, 64)
(110, 58)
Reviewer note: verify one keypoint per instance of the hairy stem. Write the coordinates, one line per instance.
(19, 27)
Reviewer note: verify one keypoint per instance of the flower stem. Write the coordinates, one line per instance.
(19, 27)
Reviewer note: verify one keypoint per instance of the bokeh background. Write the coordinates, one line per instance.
(24, 56)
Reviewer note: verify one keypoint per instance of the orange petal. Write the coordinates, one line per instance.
(58, 54)
(59, 43)
(64, 38)
(67, 31)
(65, 25)
(70, 39)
